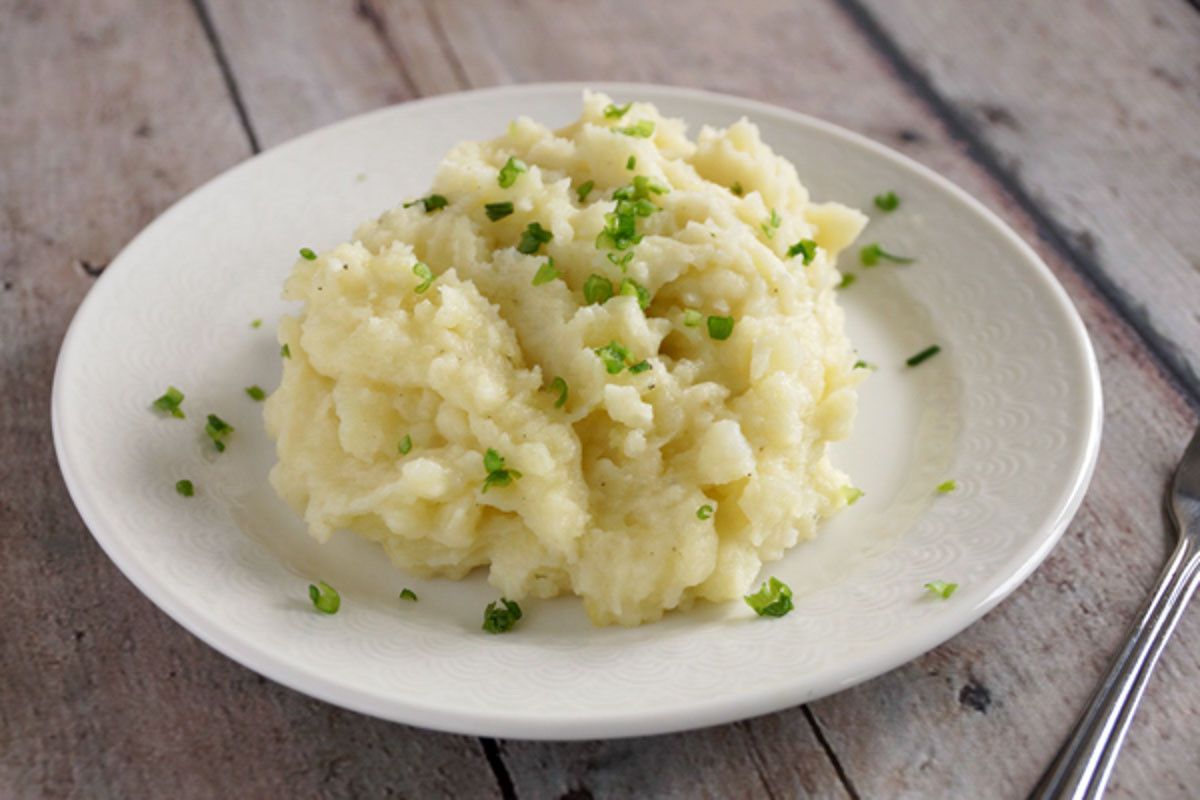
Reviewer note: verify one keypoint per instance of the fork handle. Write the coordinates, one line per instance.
(1083, 764)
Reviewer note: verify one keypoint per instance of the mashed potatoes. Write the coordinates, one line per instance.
(712, 378)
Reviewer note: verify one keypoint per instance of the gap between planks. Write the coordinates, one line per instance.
(1174, 369)
(235, 94)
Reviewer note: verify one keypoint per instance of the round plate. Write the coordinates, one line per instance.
(1010, 409)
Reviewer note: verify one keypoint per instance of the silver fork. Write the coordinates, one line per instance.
(1083, 764)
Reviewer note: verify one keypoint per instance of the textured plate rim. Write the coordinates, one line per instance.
(617, 723)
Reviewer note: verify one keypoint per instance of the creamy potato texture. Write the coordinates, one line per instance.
(660, 418)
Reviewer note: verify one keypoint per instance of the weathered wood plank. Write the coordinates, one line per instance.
(300, 65)
(1093, 105)
(112, 110)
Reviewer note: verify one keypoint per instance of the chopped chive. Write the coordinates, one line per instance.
(501, 619)
(736, 188)
(508, 173)
(852, 493)
(256, 394)
(614, 354)
(928, 352)
(631, 163)
(256, 323)
(774, 599)
(632, 288)
(545, 273)
(692, 317)
(860, 364)
(185, 487)
(170, 402)
(947, 486)
(871, 254)
(846, 280)
(497, 473)
(622, 262)
(218, 430)
(431, 203)
(941, 588)
(642, 129)
(639, 367)
(887, 201)
(559, 385)
(408, 594)
(704, 511)
(405, 445)
(806, 246)
(285, 351)
(720, 327)
(423, 272)
(772, 222)
(498, 211)
(597, 289)
(584, 190)
(308, 254)
(325, 598)
(533, 238)
(616, 112)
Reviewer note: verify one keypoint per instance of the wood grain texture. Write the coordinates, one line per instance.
(102, 694)
(101, 690)
(1093, 106)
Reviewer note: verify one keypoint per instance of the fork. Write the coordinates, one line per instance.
(1085, 761)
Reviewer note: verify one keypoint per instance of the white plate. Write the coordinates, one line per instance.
(1010, 409)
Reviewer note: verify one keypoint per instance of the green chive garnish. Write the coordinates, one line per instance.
(185, 487)
(736, 188)
(692, 317)
(642, 129)
(720, 327)
(860, 364)
(308, 254)
(408, 594)
(423, 272)
(431, 203)
(639, 367)
(632, 288)
(584, 190)
(324, 598)
(774, 599)
(170, 402)
(928, 352)
(887, 201)
(597, 289)
(256, 323)
(614, 355)
(497, 473)
(616, 112)
(508, 173)
(405, 445)
(559, 385)
(807, 247)
(285, 351)
(256, 394)
(218, 430)
(533, 238)
(941, 588)
(545, 273)
(498, 211)
(501, 619)
(872, 253)
(704, 512)
(852, 493)
(847, 279)
(631, 163)
(947, 486)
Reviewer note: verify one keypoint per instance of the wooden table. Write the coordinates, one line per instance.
(1078, 121)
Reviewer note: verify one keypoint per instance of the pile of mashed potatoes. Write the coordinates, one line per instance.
(602, 494)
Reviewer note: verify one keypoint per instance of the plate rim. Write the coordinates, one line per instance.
(617, 723)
